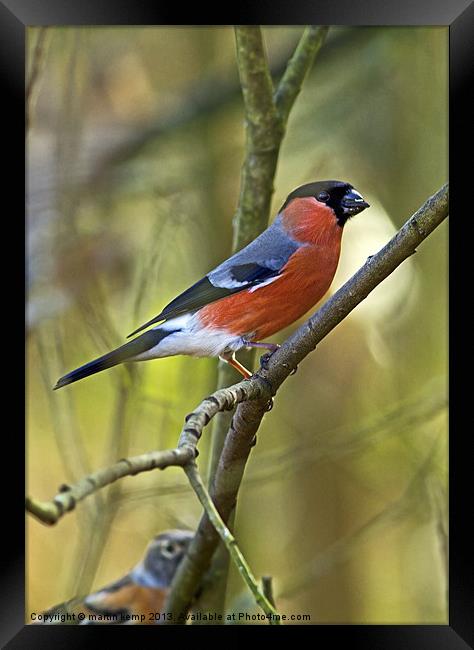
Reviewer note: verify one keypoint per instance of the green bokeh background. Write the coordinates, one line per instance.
(134, 153)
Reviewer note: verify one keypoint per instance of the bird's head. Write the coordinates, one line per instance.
(315, 213)
(340, 197)
(162, 557)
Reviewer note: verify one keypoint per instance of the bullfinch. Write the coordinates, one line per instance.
(138, 597)
(257, 292)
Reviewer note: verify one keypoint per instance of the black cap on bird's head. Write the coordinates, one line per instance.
(340, 196)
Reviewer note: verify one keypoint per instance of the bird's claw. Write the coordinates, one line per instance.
(264, 359)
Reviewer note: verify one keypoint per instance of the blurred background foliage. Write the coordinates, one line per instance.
(134, 150)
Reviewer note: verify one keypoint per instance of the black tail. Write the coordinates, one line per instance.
(123, 353)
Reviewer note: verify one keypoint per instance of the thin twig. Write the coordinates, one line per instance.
(230, 543)
(267, 588)
(49, 512)
(298, 67)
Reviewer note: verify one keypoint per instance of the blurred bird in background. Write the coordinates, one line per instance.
(136, 598)
(257, 292)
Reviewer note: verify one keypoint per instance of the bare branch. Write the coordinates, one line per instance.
(267, 587)
(297, 69)
(264, 133)
(49, 512)
(230, 543)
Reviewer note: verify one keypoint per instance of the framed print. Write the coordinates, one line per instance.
(294, 379)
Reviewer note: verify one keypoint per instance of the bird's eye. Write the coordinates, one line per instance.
(169, 549)
(323, 196)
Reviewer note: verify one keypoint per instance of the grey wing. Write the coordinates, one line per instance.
(261, 260)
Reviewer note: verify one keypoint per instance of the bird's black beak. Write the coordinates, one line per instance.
(353, 203)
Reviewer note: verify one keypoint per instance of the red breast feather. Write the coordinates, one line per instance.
(302, 282)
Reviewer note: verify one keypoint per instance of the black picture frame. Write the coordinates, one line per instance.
(15, 16)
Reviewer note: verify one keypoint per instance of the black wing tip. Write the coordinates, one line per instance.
(60, 383)
(157, 319)
(136, 332)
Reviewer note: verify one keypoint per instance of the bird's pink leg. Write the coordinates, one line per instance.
(232, 361)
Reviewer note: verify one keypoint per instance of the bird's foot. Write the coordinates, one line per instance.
(264, 359)
(271, 347)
